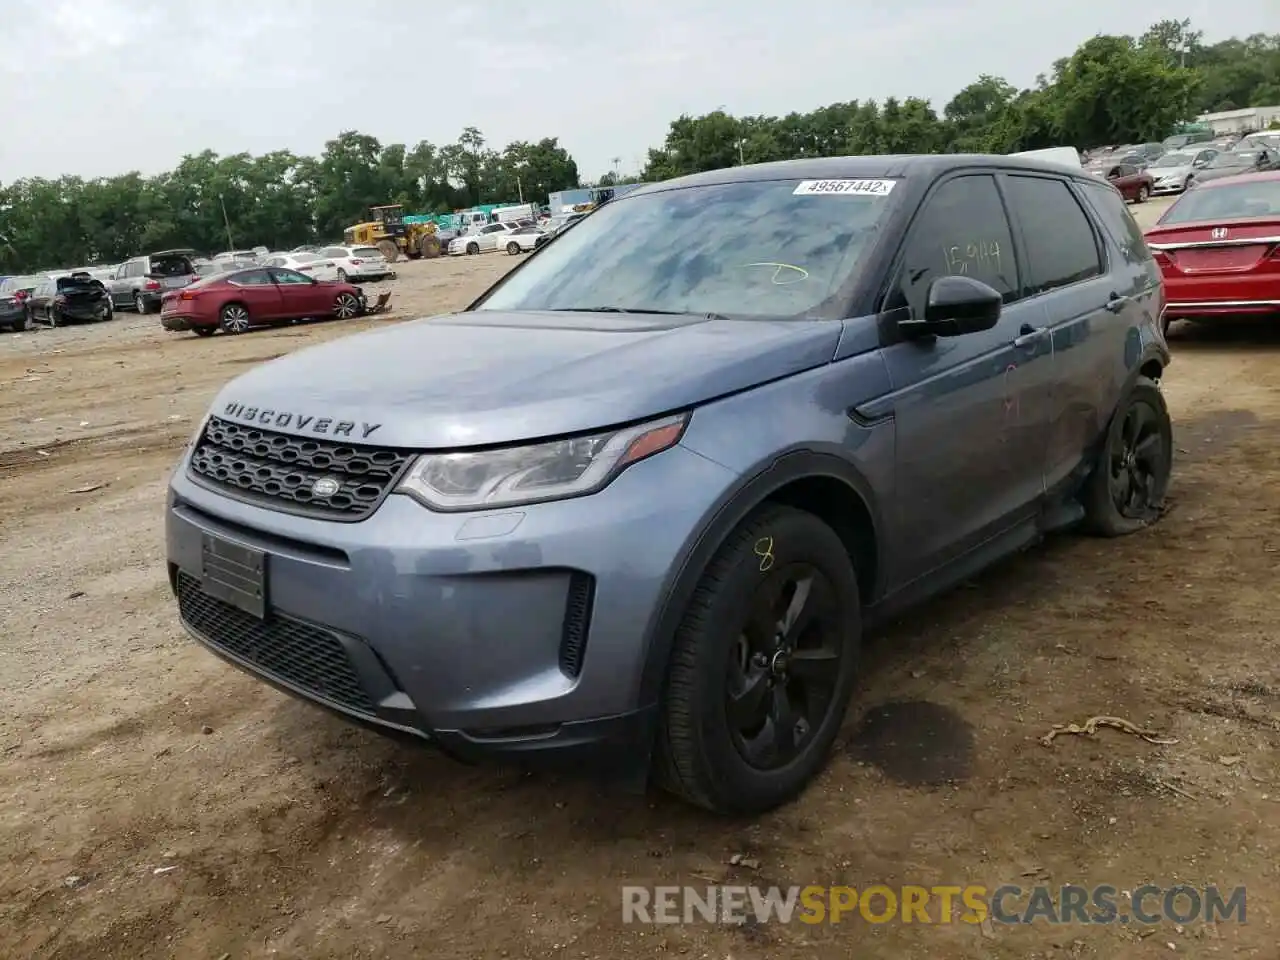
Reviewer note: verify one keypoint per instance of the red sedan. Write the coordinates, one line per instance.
(1218, 248)
(234, 302)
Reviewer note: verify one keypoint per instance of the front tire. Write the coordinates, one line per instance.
(473, 249)
(203, 331)
(342, 275)
(346, 306)
(1126, 490)
(389, 250)
(1144, 194)
(513, 248)
(762, 667)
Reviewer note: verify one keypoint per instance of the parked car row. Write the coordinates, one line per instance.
(52, 301)
(514, 236)
(143, 283)
(237, 300)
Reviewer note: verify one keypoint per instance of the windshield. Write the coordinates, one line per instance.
(780, 248)
(1233, 159)
(1173, 160)
(1254, 198)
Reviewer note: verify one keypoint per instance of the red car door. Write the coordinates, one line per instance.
(300, 295)
(257, 291)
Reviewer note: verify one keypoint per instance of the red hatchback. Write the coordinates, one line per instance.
(1218, 248)
(234, 302)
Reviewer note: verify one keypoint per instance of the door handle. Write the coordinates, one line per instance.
(1029, 335)
(1116, 303)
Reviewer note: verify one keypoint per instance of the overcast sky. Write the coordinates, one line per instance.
(100, 87)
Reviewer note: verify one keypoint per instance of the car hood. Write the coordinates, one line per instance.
(492, 377)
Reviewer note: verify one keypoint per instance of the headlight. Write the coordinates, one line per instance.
(554, 470)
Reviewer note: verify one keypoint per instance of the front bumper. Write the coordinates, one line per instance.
(520, 633)
(1160, 189)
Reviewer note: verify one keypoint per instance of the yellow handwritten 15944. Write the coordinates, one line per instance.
(977, 256)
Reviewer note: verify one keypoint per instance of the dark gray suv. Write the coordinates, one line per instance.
(635, 507)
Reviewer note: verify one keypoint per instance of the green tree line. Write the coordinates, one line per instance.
(1112, 89)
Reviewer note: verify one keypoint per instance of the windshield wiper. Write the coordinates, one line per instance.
(657, 313)
(609, 310)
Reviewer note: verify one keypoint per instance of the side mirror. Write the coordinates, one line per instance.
(955, 306)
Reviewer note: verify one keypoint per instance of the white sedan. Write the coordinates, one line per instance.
(490, 237)
(357, 263)
(312, 264)
(522, 240)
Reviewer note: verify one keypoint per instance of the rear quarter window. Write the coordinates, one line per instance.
(1116, 219)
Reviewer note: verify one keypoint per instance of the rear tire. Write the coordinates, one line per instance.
(53, 317)
(234, 318)
(1126, 490)
(342, 275)
(429, 247)
(702, 753)
(139, 304)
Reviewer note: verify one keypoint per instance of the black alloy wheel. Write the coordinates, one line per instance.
(784, 666)
(1126, 488)
(762, 665)
(1136, 461)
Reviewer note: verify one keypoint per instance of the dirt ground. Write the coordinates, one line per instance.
(154, 802)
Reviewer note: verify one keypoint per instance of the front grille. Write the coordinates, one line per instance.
(298, 653)
(278, 470)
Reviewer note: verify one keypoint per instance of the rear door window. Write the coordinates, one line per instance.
(961, 230)
(251, 278)
(1062, 248)
(1118, 221)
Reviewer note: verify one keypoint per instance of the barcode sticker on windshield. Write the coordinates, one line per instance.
(844, 188)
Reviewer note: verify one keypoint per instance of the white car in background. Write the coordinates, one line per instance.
(522, 240)
(311, 264)
(357, 263)
(486, 239)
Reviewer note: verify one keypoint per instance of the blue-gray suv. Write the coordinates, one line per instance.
(634, 508)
